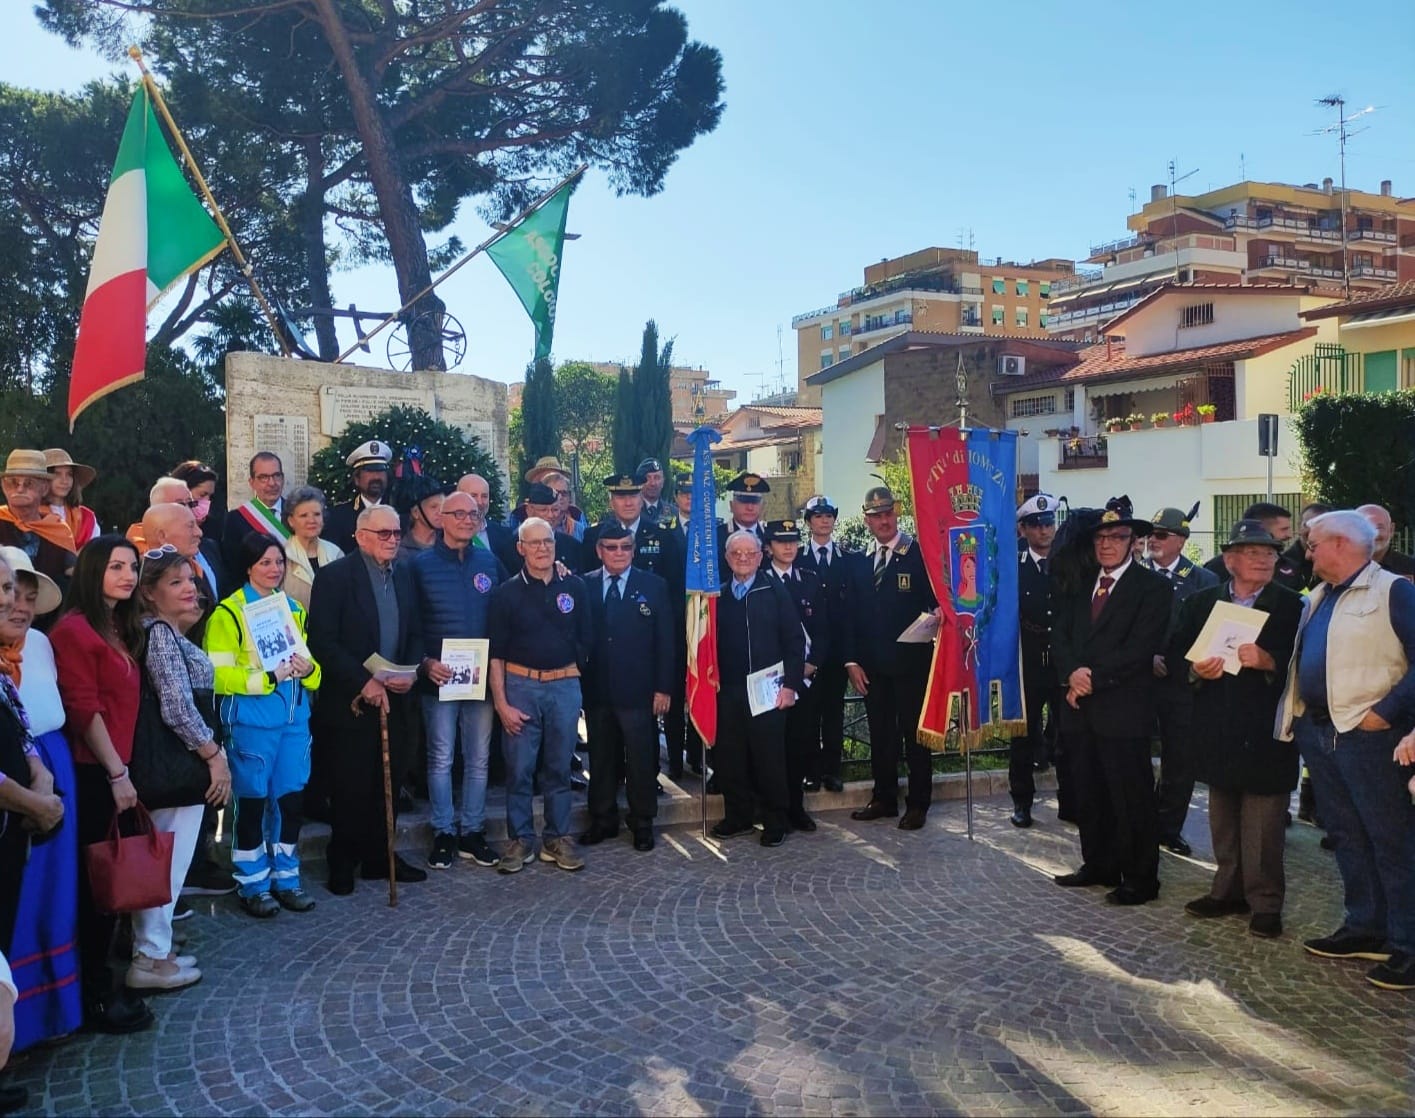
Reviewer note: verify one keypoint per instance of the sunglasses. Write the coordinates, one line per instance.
(159, 552)
(626, 545)
(1160, 534)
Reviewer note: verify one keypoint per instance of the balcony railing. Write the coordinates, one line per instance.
(1275, 221)
(938, 283)
(1119, 245)
(1291, 263)
(796, 320)
(902, 318)
(1372, 271)
(1325, 236)
(1371, 235)
(1086, 453)
(1240, 221)
(1327, 369)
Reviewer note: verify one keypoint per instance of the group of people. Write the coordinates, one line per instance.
(1122, 641)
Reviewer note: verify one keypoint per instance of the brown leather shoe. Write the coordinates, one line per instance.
(913, 819)
(875, 809)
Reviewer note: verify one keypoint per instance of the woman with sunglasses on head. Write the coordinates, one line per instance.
(180, 676)
(66, 494)
(42, 946)
(96, 644)
(266, 716)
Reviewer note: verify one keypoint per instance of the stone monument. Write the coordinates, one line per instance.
(295, 408)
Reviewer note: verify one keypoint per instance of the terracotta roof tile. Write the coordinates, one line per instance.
(1382, 298)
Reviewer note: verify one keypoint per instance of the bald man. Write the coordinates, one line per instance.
(164, 491)
(176, 524)
(1396, 562)
(495, 537)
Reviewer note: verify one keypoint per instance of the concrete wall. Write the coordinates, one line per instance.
(262, 385)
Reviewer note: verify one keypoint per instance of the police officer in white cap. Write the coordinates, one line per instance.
(1036, 529)
(369, 462)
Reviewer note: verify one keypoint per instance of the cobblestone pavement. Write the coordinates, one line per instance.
(860, 970)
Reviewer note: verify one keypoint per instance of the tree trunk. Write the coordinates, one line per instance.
(311, 218)
(395, 197)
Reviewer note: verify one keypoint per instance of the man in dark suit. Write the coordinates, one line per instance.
(681, 738)
(747, 493)
(369, 463)
(540, 501)
(888, 589)
(1174, 698)
(808, 595)
(264, 512)
(656, 549)
(361, 604)
(1106, 635)
(627, 686)
(496, 538)
(757, 627)
(649, 474)
(1036, 521)
(823, 556)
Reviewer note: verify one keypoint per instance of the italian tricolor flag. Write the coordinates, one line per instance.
(152, 233)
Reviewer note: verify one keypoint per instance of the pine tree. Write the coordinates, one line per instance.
(653, 396)
(625, 437)
(540, 425)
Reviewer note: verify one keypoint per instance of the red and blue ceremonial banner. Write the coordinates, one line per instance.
(704, 586)
(965, 485)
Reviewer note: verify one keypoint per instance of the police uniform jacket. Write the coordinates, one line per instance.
(1034, 610)
(633, 653)
(1189, 578)
(834, 579)
(656, 549)
(340, 522)
(876, 616)
(725, 528)
(809, 595)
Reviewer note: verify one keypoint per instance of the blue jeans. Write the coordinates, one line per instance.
(442, 722)
(1366, 810)
(547, 739)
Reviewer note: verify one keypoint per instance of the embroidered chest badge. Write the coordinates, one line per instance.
(644, 609)
(482, 582)
(904, 584)
(564, 603)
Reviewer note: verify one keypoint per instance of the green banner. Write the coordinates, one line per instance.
(529, 257)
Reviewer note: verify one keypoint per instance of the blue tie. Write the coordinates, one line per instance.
(612, 594)
(739, 589)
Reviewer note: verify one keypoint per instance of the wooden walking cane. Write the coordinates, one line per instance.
(388, 805)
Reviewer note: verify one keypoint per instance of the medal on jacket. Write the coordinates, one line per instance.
(904, 583)
(564, 603)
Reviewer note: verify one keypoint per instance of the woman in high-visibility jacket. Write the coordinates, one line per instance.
(266, 715)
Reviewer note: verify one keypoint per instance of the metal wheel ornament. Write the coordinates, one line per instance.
(400, 347)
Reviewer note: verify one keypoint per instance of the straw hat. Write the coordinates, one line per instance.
(83, 475)
(19, 563)
(547, 465)
(26, 463)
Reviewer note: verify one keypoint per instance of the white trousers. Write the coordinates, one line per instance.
(152, 927)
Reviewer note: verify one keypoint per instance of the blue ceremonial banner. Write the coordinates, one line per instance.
(964, 487)
(702, 524)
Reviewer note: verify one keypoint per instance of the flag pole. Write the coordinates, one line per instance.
(244, 265)
(477, 251)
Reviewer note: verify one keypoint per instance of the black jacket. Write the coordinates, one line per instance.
(772, 632)
(340, 522)
(808, 595)
(1120, 650)
(656, 549)
(567, 550)
(1233, 744)
(1035, 614)
(633, 655)
(835, 577)
(877, 615)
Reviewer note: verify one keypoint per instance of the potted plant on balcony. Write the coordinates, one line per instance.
(1186, 416)
(1207, 412)
(1117, 423)
(1136, 421)
(1160, 418)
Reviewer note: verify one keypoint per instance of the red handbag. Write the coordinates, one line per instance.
(133, 872)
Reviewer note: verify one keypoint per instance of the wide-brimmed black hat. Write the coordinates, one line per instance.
(1119, 513)
(1252, 531)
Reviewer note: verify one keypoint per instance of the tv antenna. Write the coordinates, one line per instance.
(1174, 181)
(1343, 133)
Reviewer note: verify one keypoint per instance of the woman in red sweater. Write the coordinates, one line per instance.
(95, 645)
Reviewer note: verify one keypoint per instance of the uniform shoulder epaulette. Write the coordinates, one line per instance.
(906, 541)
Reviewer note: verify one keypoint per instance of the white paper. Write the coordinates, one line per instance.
(467, 659)
(763, 687)
(922, 630)
(386, 670)
(273, 631)
(1228, 627)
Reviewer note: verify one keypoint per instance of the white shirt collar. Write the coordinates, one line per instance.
(1173, 568)
(783, 572)
(1115, 574)
(1037, 559)
(892, 544)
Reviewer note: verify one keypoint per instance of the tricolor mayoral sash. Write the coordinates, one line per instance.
(965, 486)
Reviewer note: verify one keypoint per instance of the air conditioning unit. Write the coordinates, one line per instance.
(1009, 365)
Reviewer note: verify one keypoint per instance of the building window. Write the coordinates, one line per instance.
(1044, 318)
(1200, 314)
(827, 360)
(1024, 406)
(1021, 316)
(997, 316)
(844, 327)
(844, 352)
(1070, 404)
(999, 287)
(1045, 289)
(827, 332)
(1022, 289)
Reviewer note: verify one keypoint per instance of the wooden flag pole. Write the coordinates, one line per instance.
(486, 244)
(241, 262)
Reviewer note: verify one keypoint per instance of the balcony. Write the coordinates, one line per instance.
(1080, 279)
(1278, 221)
(1285, 263)
(885, 321)
(1378, 235)
(1240, 221)
(796, 320)
(971, 290)
(936, 282)
(1372, 271)
(1320, 236)
(1090, 452)
(1327, 369)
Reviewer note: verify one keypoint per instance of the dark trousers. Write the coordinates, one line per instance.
(1115, 803)
(14, 851)
(678, 732)
(1249, 832)
(892, 707)
(358, 830)
(802, 745)
(750, 761)
(623, 740)
(95, 807)
(829, 689)
(1174, 707)
(1037, 745)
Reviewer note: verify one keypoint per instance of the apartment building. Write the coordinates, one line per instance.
(936, 290)
(1247, 233)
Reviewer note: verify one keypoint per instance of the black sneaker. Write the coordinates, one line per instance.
(475, 847)
(444, 851)
(1342, 944)
(183, 911)
(1396, 973)
(726, 830)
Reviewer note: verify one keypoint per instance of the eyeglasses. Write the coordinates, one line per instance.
(265, 479)
(561, 493)
(384, 534)
(1159, 534)
(539, 543)
(187, 504)
(626, 545)
(461, 514)
(1113, 537)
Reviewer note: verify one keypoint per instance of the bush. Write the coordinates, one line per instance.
(1356, 450)
(447, 454)
(854, 533)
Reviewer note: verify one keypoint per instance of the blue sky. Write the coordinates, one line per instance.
(859, 131)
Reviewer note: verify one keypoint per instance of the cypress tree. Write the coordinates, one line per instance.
(653, 395)
(540, 427)
(625, 438)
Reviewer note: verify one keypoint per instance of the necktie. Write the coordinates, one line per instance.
(613, 594)
(739, 589)
(881, 559)
(1168, 574)
(824, 553)
(1101, 596)
(1042, 564)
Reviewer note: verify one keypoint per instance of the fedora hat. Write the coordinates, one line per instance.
(1251, 531)
(83, 475)
(547, 465)
(19, 563)
(26, 463)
